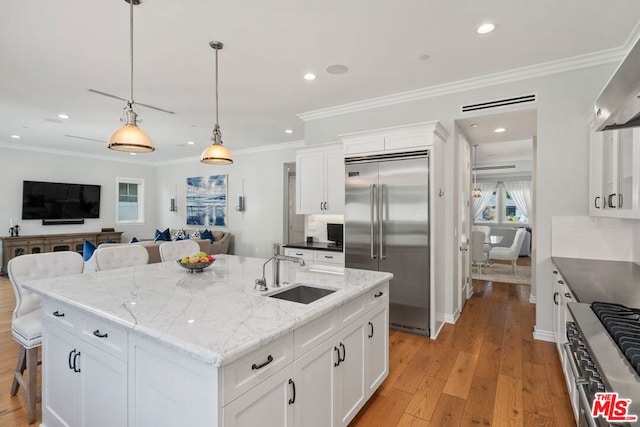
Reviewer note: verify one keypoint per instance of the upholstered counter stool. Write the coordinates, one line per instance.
(173, 251)
(26, 323)
(119, 256)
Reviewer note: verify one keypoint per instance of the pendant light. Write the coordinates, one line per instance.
(476, 190)
(130, 137)
(216, 153)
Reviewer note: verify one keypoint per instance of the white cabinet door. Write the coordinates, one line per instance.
(315, 379)
(310, 182)
(60, 381)
(377, 349)
(334, 190)
(103, 388)
(269, 404)
(351, 376)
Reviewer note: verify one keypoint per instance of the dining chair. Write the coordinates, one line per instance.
(178, 249)
(120, 256)
(26, 323)
(510, 253)
(478, 255)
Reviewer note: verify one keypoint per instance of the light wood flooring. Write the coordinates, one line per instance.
(486, 370)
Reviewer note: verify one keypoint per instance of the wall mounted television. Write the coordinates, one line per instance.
(56, 200)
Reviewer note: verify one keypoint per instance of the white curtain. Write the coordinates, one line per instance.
(479, 203)
(521, 194)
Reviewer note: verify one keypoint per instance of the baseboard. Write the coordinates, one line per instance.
(532, 299)
(543, 335)
(452, 318)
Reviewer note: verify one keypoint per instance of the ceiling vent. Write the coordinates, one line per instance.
(491, 168)
(526, 99)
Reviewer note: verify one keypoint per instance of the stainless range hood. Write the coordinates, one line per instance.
(618, 106)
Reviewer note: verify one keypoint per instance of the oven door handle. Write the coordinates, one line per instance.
(584, 403)
(572, 363)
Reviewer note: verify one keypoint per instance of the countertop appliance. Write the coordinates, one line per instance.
(618, 105)
(335, 233)
(603, 350)
(387, 229)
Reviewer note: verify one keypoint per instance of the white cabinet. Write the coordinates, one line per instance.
(377, 355)
(614, 181)
(350, 391)
(83, 385)
(269, 404)
(331, 258)
(320, 180)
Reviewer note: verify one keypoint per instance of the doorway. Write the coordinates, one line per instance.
(293, 224)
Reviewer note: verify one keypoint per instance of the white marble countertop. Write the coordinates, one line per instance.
(215, 316)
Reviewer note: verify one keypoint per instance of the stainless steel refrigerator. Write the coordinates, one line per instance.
(387, 229)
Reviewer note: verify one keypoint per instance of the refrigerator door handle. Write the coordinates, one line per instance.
(381, 221)
(372, 204)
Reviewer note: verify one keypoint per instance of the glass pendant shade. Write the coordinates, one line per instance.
(130, 138)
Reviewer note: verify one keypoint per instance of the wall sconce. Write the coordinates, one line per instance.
(173, 207)
(240, 203)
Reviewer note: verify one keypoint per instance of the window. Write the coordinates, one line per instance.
(130, 200)
(501, 209)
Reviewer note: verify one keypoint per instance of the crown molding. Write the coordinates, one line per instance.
(43, 150)
(517, 74)
(37, 149)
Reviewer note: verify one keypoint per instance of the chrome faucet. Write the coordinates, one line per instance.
(261, 283)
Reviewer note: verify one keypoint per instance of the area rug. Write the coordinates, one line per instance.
(503, 273)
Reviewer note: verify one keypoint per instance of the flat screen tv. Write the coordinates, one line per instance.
(56, 200)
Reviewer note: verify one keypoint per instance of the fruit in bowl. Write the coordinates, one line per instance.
(196, 262)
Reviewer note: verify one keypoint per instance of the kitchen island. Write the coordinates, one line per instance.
(156, 346)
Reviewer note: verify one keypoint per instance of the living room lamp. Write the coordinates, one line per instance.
(476, 190)
(130, 137)
(216, 153)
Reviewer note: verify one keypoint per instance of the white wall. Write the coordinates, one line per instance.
(18, 165)
(259, 173)
(561, 158)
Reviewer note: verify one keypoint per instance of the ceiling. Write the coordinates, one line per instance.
(54, 51)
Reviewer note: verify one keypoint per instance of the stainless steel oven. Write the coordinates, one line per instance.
(601, 359)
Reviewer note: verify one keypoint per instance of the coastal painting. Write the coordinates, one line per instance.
(207, 200)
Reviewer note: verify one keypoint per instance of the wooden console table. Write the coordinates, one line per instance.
(35, 244)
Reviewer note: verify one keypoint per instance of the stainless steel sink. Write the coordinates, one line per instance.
(301, 293)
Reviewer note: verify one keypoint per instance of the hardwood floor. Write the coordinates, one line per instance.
(485, 370)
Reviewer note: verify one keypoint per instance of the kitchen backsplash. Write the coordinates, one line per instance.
(595, 238)
(316, 225)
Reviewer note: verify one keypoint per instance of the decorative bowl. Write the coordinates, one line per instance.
(196, 267)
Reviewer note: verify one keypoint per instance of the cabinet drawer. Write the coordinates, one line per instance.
(378, 296)
(313, 333)
(105, 335)
(305, 254)
(328, 257)
(61, 314)
(245, 373)
(348, 312)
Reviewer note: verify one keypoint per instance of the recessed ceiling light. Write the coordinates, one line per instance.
(190, 142)
(474, 125)
(15, 136)
(337, 69)
(424, 57)
(486, 28)
(63, 116)
(309, 76)
(288, 131)
(133, 154)
(500, 130)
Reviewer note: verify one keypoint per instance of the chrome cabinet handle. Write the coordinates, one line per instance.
(263, 364)
(371, 217)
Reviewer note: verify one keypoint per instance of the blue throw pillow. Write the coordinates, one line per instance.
(162, 235)
(134, 239)
(207, 234)
(88, 249)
